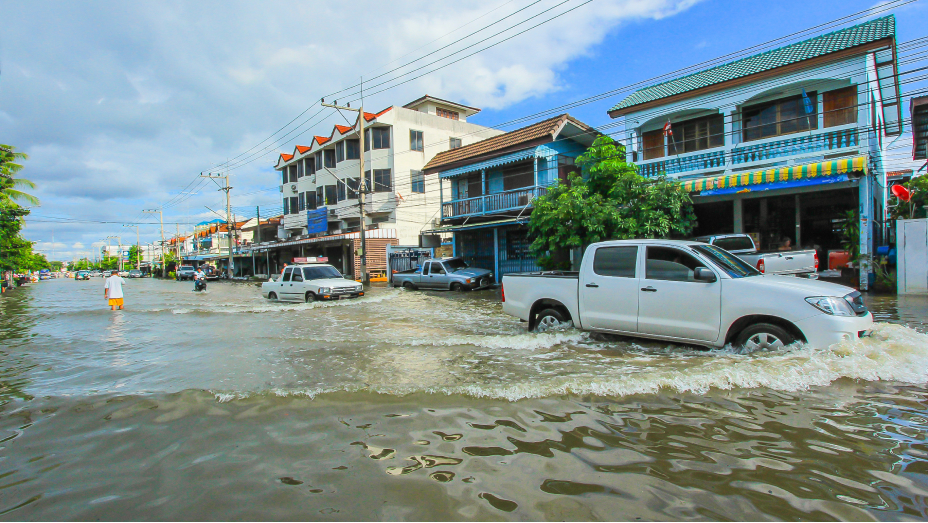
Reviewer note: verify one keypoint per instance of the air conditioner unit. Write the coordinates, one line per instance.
(293, 187)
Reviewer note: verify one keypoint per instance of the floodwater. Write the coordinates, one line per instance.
(408, 405)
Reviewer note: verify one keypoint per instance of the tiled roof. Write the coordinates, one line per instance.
(368, 116)
(846, 38)
(322, 139)
(286, 157)
(343, 128)
(302, 148)
(486, 148)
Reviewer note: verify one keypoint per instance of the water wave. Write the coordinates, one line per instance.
(894, 353)
(273, 306)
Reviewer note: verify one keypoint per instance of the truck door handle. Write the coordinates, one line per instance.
(592, 285)
(649, 289)
(789, 257)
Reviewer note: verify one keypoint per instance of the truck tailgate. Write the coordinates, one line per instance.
(522, 290)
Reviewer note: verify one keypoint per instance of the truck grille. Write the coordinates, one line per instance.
(338, 291)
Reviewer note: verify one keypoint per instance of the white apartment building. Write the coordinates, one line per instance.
(398, 142)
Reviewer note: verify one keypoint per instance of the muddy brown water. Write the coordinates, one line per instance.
(422, 406)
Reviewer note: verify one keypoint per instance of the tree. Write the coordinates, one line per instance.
(134, 257)
(915, 207)
(9, 185)
(609, 201)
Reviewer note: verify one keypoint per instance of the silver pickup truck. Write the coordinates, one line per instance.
(796, 263)
(447, 274)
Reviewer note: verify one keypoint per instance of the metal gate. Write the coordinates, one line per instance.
(401, 258)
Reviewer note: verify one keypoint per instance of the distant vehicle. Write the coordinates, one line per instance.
(685, 292)
(801, 262)
(123, 274)
(135, 273)
(185, 272)
(311, 282)
(82, 275)
(447, 274)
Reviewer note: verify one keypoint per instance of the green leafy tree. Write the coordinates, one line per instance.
(609, 201)
(9, 183)
(915, 207)
(134, 255)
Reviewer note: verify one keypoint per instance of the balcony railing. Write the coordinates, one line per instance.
(491, 203)
(751, 152)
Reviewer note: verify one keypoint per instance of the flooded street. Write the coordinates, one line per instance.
(413, 405)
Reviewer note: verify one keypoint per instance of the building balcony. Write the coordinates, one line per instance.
(378, 202)
(512, 200)
(772, 151)
(295, 221)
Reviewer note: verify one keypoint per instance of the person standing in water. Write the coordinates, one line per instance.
(112, 290)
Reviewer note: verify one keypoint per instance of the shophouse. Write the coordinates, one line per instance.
(488, 187)
(319, 182)
(779, 145)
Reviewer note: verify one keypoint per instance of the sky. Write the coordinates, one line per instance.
(121, 105)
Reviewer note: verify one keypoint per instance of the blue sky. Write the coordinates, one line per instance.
(120, 105)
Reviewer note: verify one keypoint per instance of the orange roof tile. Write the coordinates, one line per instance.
(302, 148)
(286, 157)
(321, 139)
(343, 128)
(368, 116)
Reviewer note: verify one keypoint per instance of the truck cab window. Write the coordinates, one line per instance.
(616, 261)
(425, 269)
(287, 272)
(297, 276)
(667, 263)
(437, 268)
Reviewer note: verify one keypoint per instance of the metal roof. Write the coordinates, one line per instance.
(840, 40)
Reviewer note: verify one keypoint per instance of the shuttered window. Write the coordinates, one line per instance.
(779, 117)
(697, 134)
(840, 106)
(653, 142)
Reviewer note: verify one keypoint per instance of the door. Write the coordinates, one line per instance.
(671, 302)
(438, 277)
(609, 290)
(297, 287)
(286, 285)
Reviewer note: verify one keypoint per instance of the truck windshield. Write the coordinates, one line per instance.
(320, 273)
(735, 243)
(455, 264)
(728, 262)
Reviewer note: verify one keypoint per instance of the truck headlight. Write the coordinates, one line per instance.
(325, 290)
(831, 305)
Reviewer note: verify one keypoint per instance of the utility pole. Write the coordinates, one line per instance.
(362, 185)
(164, 265)
(228, 216)
(177, 242)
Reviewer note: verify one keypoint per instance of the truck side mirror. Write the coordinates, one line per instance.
(704, 274)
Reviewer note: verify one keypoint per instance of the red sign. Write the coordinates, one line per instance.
(318, 259)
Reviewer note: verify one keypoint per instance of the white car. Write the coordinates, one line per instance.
(686, 292)
(311, 282)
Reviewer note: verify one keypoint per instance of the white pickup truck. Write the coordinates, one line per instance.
(310, 282)
(797, 263)
(685, 292)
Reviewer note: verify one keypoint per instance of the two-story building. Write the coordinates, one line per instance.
(487, 189)
(780, 145)
(401, 201)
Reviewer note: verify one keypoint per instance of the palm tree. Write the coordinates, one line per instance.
(8, 184)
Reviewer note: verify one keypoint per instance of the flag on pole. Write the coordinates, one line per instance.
(807, 103)
(667, 130)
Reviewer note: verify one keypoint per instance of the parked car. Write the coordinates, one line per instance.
(800, 263)
(448, 274)
(82, 275)
(135, 273)
(311, 282)
(685, 292)
(185, 272)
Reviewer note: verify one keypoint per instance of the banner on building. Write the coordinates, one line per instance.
(317, 221)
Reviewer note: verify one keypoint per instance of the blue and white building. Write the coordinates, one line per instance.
(782, 144)
(487, 189)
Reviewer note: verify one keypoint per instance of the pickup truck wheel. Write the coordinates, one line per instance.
(310, 297)
(457, 287)
(409, 285)
(551, 319)
(764, 336)
(271, 296)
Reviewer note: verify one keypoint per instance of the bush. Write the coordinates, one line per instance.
(172, 275)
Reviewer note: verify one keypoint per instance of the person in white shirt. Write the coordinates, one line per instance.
(197, 276)
(112, 290)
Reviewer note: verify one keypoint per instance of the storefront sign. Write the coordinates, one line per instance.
(317, 221)
(311, 259)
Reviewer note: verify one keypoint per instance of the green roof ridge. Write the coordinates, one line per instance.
(852, 36)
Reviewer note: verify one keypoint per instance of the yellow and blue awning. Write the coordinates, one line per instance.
(780, 174)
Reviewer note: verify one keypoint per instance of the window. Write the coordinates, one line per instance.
(340, 152)
(352, 149)
(310, 200)
(616, 261)
(291, 169)
(321, 272)
(840, 106)
(417, 181)
(294, 205)
(378, 138)
(310, 166)
(653, 142)
(415, 141)
(454, 143)
(381, 182)
(302, 201)
(286, 205)
(728, 262)
(518, 176)
(283, 176)
(318, 161)
(320, 195)
(438, 268)
(287, 272)
(352, 184)
(697, 134)
(329, 158)
(784, 116)
(517, 245)
(297, 276)
(341, 190)
(299, 169)
(666, 263)
(444, 113)
(425, 269)
(331, 195)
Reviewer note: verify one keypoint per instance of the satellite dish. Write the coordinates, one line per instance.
(901, 192)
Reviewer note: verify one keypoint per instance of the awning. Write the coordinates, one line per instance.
(780, 174)
(487, 164)
(483, 225)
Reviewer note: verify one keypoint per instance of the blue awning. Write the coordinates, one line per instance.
(777, 185)
(486, 164)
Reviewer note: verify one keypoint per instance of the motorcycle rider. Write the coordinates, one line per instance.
(198, 277)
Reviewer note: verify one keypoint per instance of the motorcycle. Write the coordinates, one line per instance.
(199, 285)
